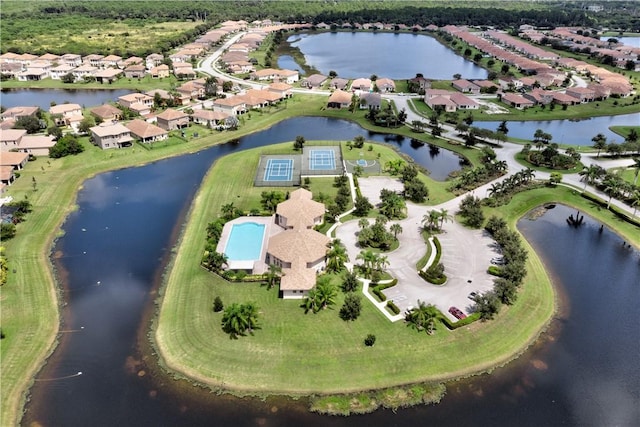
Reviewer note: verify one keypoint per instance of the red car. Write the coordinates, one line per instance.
(457, 313)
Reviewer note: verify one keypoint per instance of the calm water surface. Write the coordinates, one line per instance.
(584, 372)
(395, 56)
(567, 131)
(44, 97)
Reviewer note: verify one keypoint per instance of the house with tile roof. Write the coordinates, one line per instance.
(339, 99)
(114, 135)
(171, 119)
(107, 112)
(146, 132)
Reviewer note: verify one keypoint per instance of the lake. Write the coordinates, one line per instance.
(566, 131)
(391, 55)
(115, 248)
(44, 97)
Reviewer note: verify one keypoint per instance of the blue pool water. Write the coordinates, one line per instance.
(245, 242)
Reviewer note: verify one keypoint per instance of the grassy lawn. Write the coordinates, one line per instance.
(141, 85)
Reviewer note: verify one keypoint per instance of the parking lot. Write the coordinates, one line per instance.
(466, 255)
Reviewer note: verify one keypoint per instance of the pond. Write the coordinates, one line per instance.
(115, 248)
(287, 62)
(44, 97)
(626, 40)
(391, 55)
(567, 131)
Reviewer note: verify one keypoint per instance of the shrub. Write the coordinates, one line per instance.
(7, 231)
(369, 341)
(462, 322)
(494, 270)
(218, 306)
(394, 308)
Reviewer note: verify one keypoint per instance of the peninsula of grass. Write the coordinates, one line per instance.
(522, 159)
(297, 354)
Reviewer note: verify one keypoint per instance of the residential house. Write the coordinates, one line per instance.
(299, 250)
(53, 59)
(32, 74)
(463, 102)
(517, 101)
(266, 95)
(539, 96)
(211, 119)
(16, 113)
(146, 133)
(240, 67)
(564, 99)
(171, 119)
(338, 83)
(108, 75)
(183, 71)
(163, 94)
(465, 86)
(421, 82)
(7, 175)
(111, 61)
(314, 81)
(67, 115)
(37, 145)
(339, 99)
(60, 71)
(288, 76)
(15, 160)
(132, 60)
(232, 105)
(139, 102)
(95, 60)
(113, 135)
(107, 113)
(85, 70)
(136, 71)
(71, 59)
(509, 83)
(154, 60)
(439, 102)
(448, 101)
(582, 94)
(193, 89)
(370, 100)
(10, 139)
(284, 90)
(486, 86)
(159, 72)
(362, 84)
(385, 85)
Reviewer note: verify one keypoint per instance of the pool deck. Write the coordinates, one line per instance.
(256, 266)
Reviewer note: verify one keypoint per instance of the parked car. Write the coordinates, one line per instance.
(457, 313)
(472, 295)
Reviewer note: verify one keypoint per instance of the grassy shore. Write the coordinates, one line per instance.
(298, 354)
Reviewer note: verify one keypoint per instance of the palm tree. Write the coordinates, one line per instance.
(250, 315)
(599, 142)
(612, 184)
(227, 210)
(381, 262)
(495, 189)
(396, 229)
(363, 223)
(336, 257)
(240, 318)
(368, 258)
(422, 318)
(635, 201)
(636, 166)
(444, 217)
(589, 174)
(528, 174)
(273, 275)
(501, 166)
(432, 219)
(325, 292)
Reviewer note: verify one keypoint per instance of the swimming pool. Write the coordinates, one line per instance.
(245, 242)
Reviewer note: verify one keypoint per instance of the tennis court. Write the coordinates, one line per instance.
(278, 170)
(322, 159)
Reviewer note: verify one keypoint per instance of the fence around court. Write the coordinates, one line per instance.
(260, 180)
(308, 167)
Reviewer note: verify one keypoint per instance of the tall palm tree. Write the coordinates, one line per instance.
(363, 223)
(590, 174)
(444, 217)
(381, 262)
(431, 219)
(636, 167)
(336, 257)
(599, 142)
(228, 210)
(495, 189)
(396, 229)
(612, 184)
(250, 315)
(368, 258)
(635, 201)
(325, 292)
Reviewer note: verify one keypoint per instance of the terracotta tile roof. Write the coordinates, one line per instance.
(340, 97)
(142, 129)
(171, 114)
(12, 158)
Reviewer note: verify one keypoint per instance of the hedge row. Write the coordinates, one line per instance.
(494, 270)
(377, 290)
(455, 325)
(394, 308)
(435, 281)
